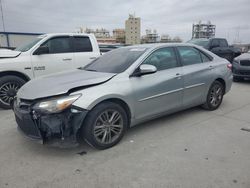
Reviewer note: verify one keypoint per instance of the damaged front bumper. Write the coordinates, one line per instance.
(60, 129)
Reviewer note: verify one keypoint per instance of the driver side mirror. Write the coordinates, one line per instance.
(41, 50)
(145, 69)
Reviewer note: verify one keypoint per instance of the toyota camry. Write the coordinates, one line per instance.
(124, 87)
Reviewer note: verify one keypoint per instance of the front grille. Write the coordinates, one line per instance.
(244, 72)
(245, 62)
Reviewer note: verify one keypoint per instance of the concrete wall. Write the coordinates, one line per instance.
(13, 39)
(3, 40)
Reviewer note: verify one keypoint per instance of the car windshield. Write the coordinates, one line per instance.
(202, 42)
(25, 47)
(116, 61)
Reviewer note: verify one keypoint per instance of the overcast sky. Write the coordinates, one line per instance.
(173, 17)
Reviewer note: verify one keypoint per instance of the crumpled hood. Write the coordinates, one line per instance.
(245, 56)
(6, 53)
(61, 83)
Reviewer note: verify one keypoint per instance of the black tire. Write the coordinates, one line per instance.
(211, 96)
(9, 86)
(91, 123)
(237, 79)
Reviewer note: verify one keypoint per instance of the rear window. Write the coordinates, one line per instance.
(82, 44)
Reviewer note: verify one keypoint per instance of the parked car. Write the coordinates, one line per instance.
(108, 47)
(241, 67)
(46, 54)
(219, 46)
(118, 90)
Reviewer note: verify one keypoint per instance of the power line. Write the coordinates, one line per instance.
(2, 15)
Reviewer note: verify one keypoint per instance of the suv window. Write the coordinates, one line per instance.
(189, 55)
(82, 44)
(223, 43)
(59, 45)
(162, 59)
(215, 42)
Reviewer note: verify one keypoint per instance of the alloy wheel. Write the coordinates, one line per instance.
(108, 126)
(8, 92)
(216, 95)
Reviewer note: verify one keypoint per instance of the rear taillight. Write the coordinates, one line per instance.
(229, 66)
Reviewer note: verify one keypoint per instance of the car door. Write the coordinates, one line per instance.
(84, 52)
(161, 91)
(57, 58)
(197, 74)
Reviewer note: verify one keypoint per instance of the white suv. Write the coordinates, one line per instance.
(46, 54)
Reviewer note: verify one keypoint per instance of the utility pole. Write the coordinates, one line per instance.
(1, 7)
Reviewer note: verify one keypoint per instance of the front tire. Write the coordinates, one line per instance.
(9, 85)
(214, 96)
(105, 125)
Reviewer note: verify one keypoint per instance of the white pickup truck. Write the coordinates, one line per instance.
(46, 54)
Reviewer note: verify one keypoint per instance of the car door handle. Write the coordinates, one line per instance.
(67, 59)
(178, 76)
(92, 58)
(210, 67)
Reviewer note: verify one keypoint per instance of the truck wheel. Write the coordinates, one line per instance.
(214, 96)
(105, 125)
(9, 86)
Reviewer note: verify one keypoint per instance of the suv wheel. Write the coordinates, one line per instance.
(9, 86)
(214, 96)
(105, 125)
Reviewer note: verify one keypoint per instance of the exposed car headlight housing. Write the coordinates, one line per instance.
(56, 105)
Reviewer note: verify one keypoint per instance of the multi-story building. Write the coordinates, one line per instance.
(203, 30)
(150, 37)
(99, 33)
(119, 35)
(133, 30)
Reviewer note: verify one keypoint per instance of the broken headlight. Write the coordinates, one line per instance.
(56, 105)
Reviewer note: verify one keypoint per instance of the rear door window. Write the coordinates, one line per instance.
(189, 55)
(82, 44)
(223, 43)
(215, 42)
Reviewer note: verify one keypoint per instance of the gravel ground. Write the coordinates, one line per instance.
(191, 149)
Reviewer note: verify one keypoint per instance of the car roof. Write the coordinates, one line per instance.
(157, 45)
(63, 34)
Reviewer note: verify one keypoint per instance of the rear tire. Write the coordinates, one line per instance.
(9, 85)
(105, 125)
(214, 96)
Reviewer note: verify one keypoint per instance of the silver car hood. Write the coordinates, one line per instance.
(6, 53)
(61, 83)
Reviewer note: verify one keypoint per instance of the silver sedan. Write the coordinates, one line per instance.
(120, 89)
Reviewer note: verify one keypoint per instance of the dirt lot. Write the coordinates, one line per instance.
(193, 149)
